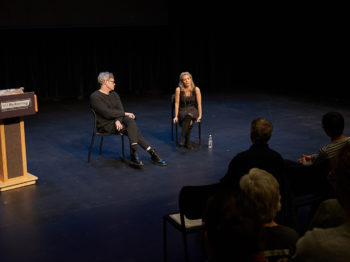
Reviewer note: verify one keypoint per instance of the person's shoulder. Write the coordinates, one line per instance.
(277, 154)
(288, 230)
(94, 94)
(242, 154)
(319, 234)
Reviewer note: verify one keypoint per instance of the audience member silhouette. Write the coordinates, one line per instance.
(260, 155)
(331, 244)
(330, 213)
(333, 124)
(263, 191)
(233, 229)
(309, 174)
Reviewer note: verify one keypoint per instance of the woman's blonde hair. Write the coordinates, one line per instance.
(181, 85)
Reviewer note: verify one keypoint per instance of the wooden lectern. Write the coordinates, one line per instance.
(13, 160)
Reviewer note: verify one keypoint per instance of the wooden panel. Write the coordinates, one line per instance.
(27, 180)
(13, 148)
(3, 160)
(23, 146)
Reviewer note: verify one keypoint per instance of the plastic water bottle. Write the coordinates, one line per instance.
(210, 142)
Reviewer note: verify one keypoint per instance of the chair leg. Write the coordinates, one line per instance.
(176, 134)
(185, 246)
(90, 148)
(200, 133)
(172, 130)
(101, 142)
(123, 154)
(164, 240)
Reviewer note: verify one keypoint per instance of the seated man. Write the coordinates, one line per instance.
(331, 244)
(333, 125)
(260, 155)
(111, 118)
(315, 167)
(263, 191)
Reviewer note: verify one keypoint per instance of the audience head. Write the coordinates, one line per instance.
(260, 130)
(333, 124)
(104, 76)
(340, 177)
(185, 76)
(264, 191)
(233, 230)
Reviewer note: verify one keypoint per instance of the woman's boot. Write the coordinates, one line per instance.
(184, 130)
(188, 143)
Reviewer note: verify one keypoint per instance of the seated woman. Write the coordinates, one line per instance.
(188, 107)
(264, 192)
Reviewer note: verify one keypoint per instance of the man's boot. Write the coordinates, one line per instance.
(135, 158)
(156, 158)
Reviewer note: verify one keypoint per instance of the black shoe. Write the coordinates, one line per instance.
(156, 158)
(182, 142)
(189, 145)
(135, 159)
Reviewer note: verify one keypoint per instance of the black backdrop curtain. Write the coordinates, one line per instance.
(64, 62)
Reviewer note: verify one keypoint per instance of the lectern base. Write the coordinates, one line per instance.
(27, 180)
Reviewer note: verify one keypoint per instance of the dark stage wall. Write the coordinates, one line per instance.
(57, 13)
(64, 61)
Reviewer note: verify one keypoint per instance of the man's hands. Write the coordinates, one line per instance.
(118, 125)
(131, 115)
(305, 159)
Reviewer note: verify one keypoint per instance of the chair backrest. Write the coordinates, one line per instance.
(193, 200)
(172, 106)
(94, 116)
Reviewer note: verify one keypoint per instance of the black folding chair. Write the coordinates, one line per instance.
(102, 135)
(192, 203)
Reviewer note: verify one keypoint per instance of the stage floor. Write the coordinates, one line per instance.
(108, 211)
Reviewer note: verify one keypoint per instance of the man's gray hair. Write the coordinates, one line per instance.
(264, 191)
(104, 76)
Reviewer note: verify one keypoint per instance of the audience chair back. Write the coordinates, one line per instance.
(192, 203)
(175, 126)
